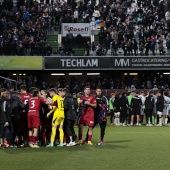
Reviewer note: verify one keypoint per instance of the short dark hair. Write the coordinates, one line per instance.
(86, 87)
(2, 90)
(32, 89)
(23, 87)
(11, 87)
(66, 90)
(99, 88)
(53, 90)
(35, 93)
(60, 89)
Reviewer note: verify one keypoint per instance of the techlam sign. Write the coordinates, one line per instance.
(79, 63)
(75, 29)
(106, 63)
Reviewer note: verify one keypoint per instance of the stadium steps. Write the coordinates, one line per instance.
(53, 41)
(96, 39)
(78, 52)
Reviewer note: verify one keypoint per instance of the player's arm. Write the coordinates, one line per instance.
(93, 103)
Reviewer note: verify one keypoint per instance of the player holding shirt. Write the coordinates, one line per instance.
(33, 117)
(58, 116)
(88, 102)
(24, 122)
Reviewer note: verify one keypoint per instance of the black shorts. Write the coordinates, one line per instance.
(2, 130)
(135, 112)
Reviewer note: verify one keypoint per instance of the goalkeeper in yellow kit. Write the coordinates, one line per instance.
(58, 116)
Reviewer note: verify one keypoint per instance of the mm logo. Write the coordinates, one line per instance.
(122, 62)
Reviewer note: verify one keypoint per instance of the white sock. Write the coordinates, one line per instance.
(131, 123)
(166, 121)
(163, 120)
(71, 139)
(118, 120)
(155, 120)
(149, 121)
(137, 123)
(160, 120)
(115, 120)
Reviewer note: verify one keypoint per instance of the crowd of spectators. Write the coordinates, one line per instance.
(23, 28)
(77, 84)
(137, 27)
(130, 27)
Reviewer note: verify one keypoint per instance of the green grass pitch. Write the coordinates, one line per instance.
(126, 148)
(20, 62)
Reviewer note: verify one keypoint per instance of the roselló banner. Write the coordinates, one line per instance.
(21, 62)
(76, 28)
(107, 63)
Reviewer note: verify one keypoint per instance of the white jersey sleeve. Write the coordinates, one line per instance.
(167, 99)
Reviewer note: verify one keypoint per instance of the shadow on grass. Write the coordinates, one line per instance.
(47, 150)
(54, 150)
(119, 141)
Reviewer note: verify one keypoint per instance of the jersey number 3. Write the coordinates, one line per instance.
(32, 104)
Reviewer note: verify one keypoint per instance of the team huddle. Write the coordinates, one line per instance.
(47, 118)
(130, 108)
(41, 118)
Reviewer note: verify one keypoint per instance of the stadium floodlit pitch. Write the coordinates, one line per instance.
(126, 148)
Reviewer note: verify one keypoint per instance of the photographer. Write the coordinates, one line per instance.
(101, 112)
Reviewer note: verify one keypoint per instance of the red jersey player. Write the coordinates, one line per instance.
(88, 103)
(24, 125)
(34, 104)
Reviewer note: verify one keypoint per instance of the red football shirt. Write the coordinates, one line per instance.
(24, 98)
(88, 111)
(34, 104)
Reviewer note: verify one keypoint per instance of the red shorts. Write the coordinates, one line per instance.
(33, 122)
(87, 120)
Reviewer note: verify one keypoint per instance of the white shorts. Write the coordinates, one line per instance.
(117, 113)
(142, 111)
(165, 111)
(159, 113)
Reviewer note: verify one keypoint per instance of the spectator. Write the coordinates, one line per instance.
(69, 38)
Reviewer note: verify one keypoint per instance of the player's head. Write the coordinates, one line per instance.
(87, 90)
(166, 93)
(136, 93)
(61, 92)
(65, 91)
(142, 93)
(11, 88)
(44, 93)
(98, 91)
(151, 92)
(74, 95)
(32, 89)
(52, 92)
(6, 95)
(159, 93)
(112, 95)
(23, 88)
(2, 91)
(123, 93)
(36, 93)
